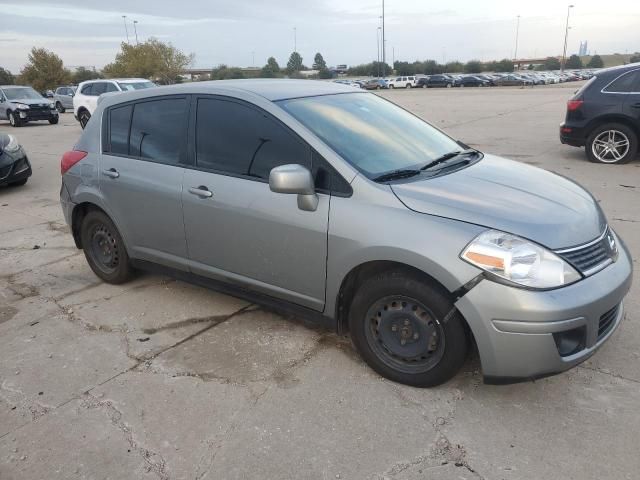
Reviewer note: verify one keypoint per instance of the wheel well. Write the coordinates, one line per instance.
(359, 274)
(79, 212)
(598, 122)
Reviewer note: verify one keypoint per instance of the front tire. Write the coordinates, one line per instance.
(84, 118)
(54, 120)
(104, 248)
(15, 120)
(60, 108)
(612, 143)
(401, 326)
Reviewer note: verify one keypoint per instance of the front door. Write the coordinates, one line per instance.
(141, 176)
(237, 229)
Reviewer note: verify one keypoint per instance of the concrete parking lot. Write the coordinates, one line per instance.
(161, 379)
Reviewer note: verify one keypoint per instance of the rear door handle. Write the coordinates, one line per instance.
(111, 173)
(201, 191)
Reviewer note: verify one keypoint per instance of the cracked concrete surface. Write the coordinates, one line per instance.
(158, 379)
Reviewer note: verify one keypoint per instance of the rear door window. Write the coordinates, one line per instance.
(98, 89)
(626, 83)
(87, 89)
(233, 138)
(110, 87)
(159, 130)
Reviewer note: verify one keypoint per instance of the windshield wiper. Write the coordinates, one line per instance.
(446, 157)
(396, 175)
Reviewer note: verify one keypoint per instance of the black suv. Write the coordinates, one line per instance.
(604, 116)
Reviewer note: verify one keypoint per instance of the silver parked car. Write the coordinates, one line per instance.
(343, 208)
(22, 104)
(63, 98)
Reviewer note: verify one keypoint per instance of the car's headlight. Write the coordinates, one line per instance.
(13, 145)
(519, 261)
(22, 106)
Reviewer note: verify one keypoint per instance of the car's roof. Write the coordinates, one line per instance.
(15, 86)
(271, 89)
(121, 80)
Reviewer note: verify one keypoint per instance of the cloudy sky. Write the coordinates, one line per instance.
(89, 32)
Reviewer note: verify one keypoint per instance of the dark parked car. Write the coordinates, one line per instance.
(15, 168)
(472, 81)
(513, 80)
(440, 81)
(376, 84)
(604, 116)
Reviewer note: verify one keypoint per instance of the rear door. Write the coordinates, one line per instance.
(238, 230)
(141, 174)
(632, 101)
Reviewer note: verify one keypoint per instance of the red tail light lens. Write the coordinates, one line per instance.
(573, 105)
(69, 159)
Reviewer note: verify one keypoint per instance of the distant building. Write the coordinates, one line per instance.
(583, 49)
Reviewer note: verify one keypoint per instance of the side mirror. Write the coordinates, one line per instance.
(297, 180)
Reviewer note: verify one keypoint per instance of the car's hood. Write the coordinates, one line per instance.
(512, 197)
(31, 101)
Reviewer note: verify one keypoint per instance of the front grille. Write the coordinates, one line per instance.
(606, 321)
(593, 256)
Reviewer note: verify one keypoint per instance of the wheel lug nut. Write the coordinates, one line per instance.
(394, 328)
(403, 341)
(406, 322)
(416, 336)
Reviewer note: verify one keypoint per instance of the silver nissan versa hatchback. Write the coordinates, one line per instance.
(344, 209)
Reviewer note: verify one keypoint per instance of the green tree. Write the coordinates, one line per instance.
(83, 74)
(431, 67)
(552, 63)
(318, 62)
(271, 69)
(595, 62)
(295, 63)
(404, 68)
(153, 59)
(6, 78)
(635, 58)
(45, 70)
(473, 66)
(223, 72)
(454, 67)
(574, 62)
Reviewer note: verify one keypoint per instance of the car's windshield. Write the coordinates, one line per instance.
(135, 85)
(22, 93)
(372, 134)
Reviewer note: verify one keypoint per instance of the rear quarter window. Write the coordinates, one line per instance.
(626, 83)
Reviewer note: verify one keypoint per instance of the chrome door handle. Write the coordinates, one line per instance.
(201, 191)
(111, 173)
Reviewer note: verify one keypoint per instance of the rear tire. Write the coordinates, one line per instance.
(60, 108)
(612, 143)
(54, 120)
(104, 248)
(397, 324)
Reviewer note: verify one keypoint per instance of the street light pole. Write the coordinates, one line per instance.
(124, 19)
(515, 53)
(295, 40)
(135, 29)
(384, 50)
(378, 30)
(566, 35)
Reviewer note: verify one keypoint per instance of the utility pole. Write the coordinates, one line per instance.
(384, 45)
(295, 40)
(566, 35)
(393, 55)
(253, 59)
(515, 53)
(135, 29)
(124, 19)
(378, 47)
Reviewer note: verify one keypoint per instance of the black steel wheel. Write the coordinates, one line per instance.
(83, 118)
(104, 249)
(406, 328)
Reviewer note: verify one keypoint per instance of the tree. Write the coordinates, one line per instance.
(635, 58)
(595, 62)
(431, 67)
(319, 63)
(295, 63)
(6, 78)
(271, 69)
(83, 74)
(574, 62)
(45, 70)
(473, 66)
(222, 72)
(454, 67)
(153, 59)
(552, 63)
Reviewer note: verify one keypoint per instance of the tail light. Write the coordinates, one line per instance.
(573, 105)
(69, 159)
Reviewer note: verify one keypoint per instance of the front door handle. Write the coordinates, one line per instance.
(111, 173)
(201, 191)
